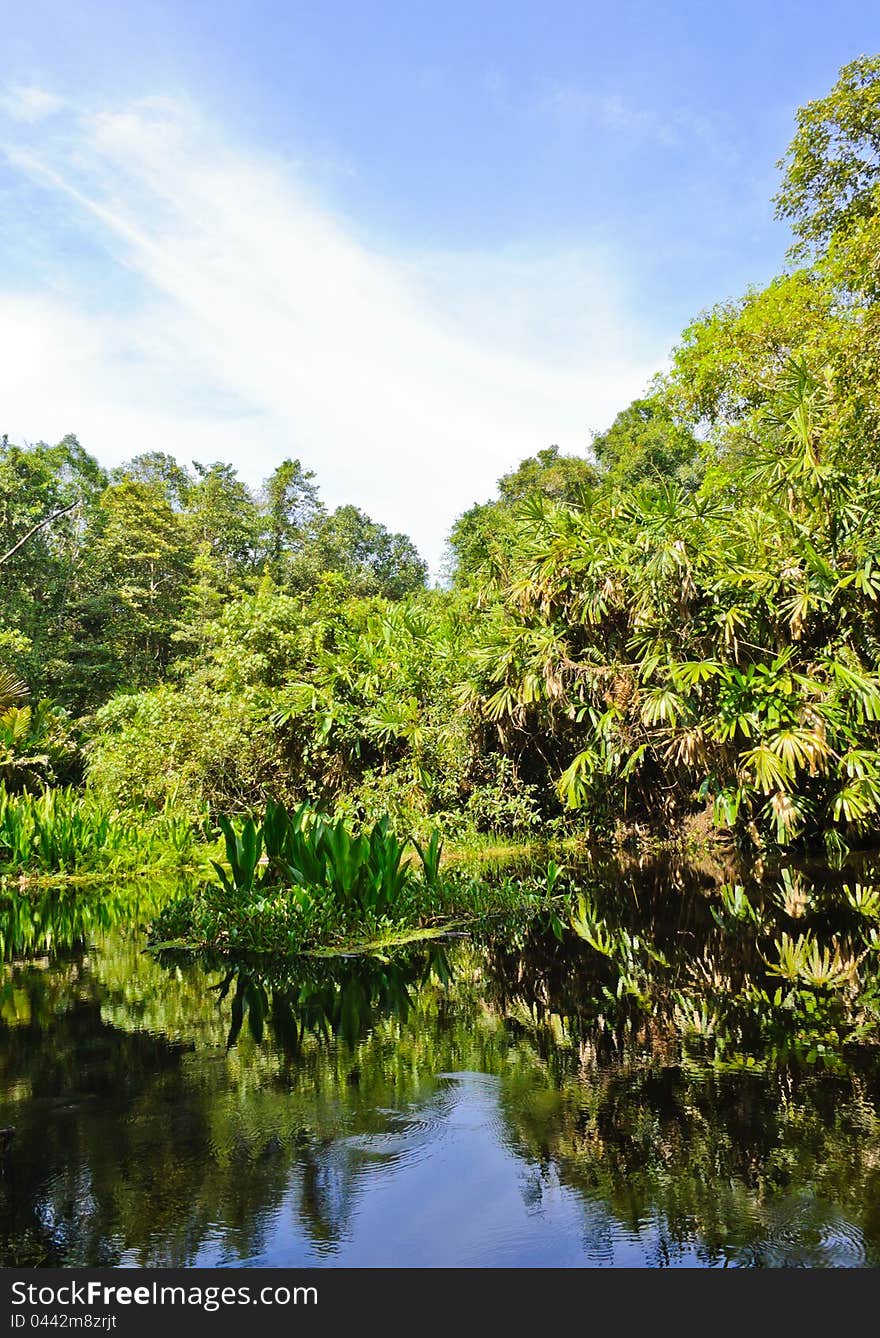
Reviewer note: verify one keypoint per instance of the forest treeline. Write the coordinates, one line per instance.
(684, 619)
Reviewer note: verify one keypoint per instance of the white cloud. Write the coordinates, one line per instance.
(28, 103)
(260, 325)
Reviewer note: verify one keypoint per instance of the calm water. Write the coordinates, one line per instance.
(466, 1104)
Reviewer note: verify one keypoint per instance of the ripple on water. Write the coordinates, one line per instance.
(807, 1233)
(412, 1134)
(843, 1245)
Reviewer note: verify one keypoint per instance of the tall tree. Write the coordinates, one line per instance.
(487, 530)
(372, 559)
(646, 443)
(293, 509)
(47, 494)
(159, 467)
(831, 172)
(126, 601)
(223, 514)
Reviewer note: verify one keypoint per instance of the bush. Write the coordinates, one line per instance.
(193, 747)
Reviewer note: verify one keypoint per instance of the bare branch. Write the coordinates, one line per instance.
(42, 524)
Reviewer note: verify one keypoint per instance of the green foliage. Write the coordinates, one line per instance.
(832, 167)
(486, 533)
(319, 858)
(296, 881)
(293, 509)
(430, 854)
(727, 361)
(369, 558)
(12, 690)
(36, 744)
(706, 646)
(63, 831)
(243, 853)
(645, 442)
(36, 484)
(193, 749)
(106, 580)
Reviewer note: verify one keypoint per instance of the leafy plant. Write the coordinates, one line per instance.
(243, 851)
(64, 831)
(864, 899)
(431, 855)
(805, 961)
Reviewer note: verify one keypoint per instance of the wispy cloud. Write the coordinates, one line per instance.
(577, 108)
(231, 315)
(29, 103)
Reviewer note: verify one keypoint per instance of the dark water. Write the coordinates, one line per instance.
(472, 1103)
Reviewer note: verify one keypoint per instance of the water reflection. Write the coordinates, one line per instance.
(39, 919)
(480, 1102)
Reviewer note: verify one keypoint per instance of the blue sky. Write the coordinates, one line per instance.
(410, 243)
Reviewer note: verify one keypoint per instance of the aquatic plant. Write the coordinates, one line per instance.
(63, 830)
(300, 880)
(430, 854)
(316, 856)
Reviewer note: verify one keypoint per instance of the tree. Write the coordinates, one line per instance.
(35, 529)
(832, 167)
(222, 514)
(488, 530)
(727, 360)
(127, 597)
(293, 509)
(47, 496)
(373, 559)
(646, 443)
(563, 478)
(160, 468)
